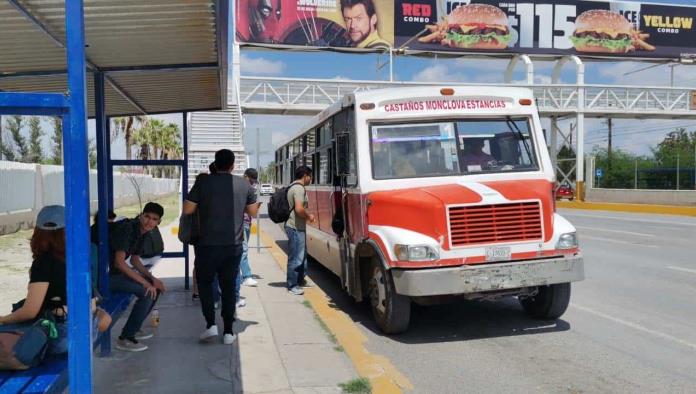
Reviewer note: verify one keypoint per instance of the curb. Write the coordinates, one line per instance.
(383, 376)
(633, 208)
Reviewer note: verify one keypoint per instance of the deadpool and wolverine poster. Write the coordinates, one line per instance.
(543, 27)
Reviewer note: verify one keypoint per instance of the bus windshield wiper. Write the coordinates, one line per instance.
(513, 127)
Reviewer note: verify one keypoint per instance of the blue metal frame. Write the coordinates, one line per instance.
(72, 107)
(49, 104)
(184, 193)
(76, 170)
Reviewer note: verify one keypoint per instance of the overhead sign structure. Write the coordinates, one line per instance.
(539, 27)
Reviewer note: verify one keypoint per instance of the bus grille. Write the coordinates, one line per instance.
(480, 224)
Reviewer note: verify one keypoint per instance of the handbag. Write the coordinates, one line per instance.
(23, 346)
(189, 228)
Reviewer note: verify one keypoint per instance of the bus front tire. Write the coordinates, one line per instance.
(549, 303)
(390, 310)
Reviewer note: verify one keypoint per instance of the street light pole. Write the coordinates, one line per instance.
(258, 168)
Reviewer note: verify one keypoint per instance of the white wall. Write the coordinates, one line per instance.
(26, 188)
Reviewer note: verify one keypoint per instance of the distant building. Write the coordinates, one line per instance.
(210, 132)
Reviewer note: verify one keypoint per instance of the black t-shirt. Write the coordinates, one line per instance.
(221, 200)
(46, 268)
(125, 236)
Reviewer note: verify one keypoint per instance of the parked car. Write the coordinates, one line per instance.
(266, 189)
(565, 191)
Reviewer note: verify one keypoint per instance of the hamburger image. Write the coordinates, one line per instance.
(473, 26)
(603, 31)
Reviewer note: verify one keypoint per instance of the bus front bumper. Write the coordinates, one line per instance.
(488, 277)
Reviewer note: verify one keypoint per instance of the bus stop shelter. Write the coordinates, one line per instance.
(101, 58)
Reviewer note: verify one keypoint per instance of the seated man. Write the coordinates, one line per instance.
(152, 249)
(126, 240)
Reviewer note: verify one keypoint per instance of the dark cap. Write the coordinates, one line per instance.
(51, 217)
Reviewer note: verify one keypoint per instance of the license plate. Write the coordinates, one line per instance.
(498, 253)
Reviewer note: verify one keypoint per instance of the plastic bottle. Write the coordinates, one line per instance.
(155, 317)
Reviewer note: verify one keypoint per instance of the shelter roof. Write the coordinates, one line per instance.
(157, 55)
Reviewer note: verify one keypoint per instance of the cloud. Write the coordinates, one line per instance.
(656, 76)
(436, 73)
(261, 66)
(480, 71)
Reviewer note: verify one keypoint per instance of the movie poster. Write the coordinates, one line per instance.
(361, 24)
(584, 28)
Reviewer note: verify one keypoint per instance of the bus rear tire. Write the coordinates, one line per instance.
(549, 303)
(391, 311)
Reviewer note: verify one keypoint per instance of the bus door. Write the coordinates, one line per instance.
(348, 208)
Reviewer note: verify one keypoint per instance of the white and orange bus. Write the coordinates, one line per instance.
(435, 191)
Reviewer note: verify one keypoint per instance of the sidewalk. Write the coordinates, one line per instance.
(281, 348)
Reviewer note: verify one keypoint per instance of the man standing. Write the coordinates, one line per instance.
(221, 200)
(126, 240)
(360, 18)
(295, 228)
(251, 176)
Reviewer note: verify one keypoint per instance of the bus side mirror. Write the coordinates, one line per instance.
(342, 151)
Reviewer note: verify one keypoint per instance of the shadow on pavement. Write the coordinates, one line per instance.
(459, 320)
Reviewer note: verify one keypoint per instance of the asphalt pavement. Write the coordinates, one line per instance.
(631, 326)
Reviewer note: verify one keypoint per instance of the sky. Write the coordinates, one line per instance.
(631, 136)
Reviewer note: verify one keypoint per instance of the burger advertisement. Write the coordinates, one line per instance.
(624, 29)
(544, 27)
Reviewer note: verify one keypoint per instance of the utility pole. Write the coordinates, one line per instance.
(609, 127)
(258, 163)
(671, 73)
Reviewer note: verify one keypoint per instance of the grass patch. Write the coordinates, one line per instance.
(356, 386)
(326, 329)
(14, 240)
(170, 204)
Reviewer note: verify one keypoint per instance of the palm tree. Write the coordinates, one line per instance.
(158, 140)
(127, 125)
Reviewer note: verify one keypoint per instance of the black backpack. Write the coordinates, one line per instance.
(279, 208)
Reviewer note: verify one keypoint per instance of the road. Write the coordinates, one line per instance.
(631, 326)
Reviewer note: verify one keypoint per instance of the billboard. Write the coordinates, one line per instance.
(537, 27)
(362, 25)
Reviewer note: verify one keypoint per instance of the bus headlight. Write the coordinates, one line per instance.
(415, 253)
(567, 241)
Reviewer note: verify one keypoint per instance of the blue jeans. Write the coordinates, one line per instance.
(143, 305)
(297, 257)
(244, 269)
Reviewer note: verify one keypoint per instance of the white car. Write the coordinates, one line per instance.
(266, 189)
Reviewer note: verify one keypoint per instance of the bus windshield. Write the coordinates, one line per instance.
(457, 147)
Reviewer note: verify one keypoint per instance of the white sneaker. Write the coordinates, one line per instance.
(216, 305)
(297, 290)
(209, 333)
(241, 302)
(229, 339)
(251, 282)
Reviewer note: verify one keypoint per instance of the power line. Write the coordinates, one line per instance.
(650, 129)
(603, 138)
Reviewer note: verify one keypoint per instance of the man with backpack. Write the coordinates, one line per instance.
(295, 228)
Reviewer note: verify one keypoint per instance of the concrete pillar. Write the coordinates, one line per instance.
(529, 69)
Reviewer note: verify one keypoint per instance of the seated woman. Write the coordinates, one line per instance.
(47, 281)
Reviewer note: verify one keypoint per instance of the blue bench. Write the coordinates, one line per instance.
(52, 375)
